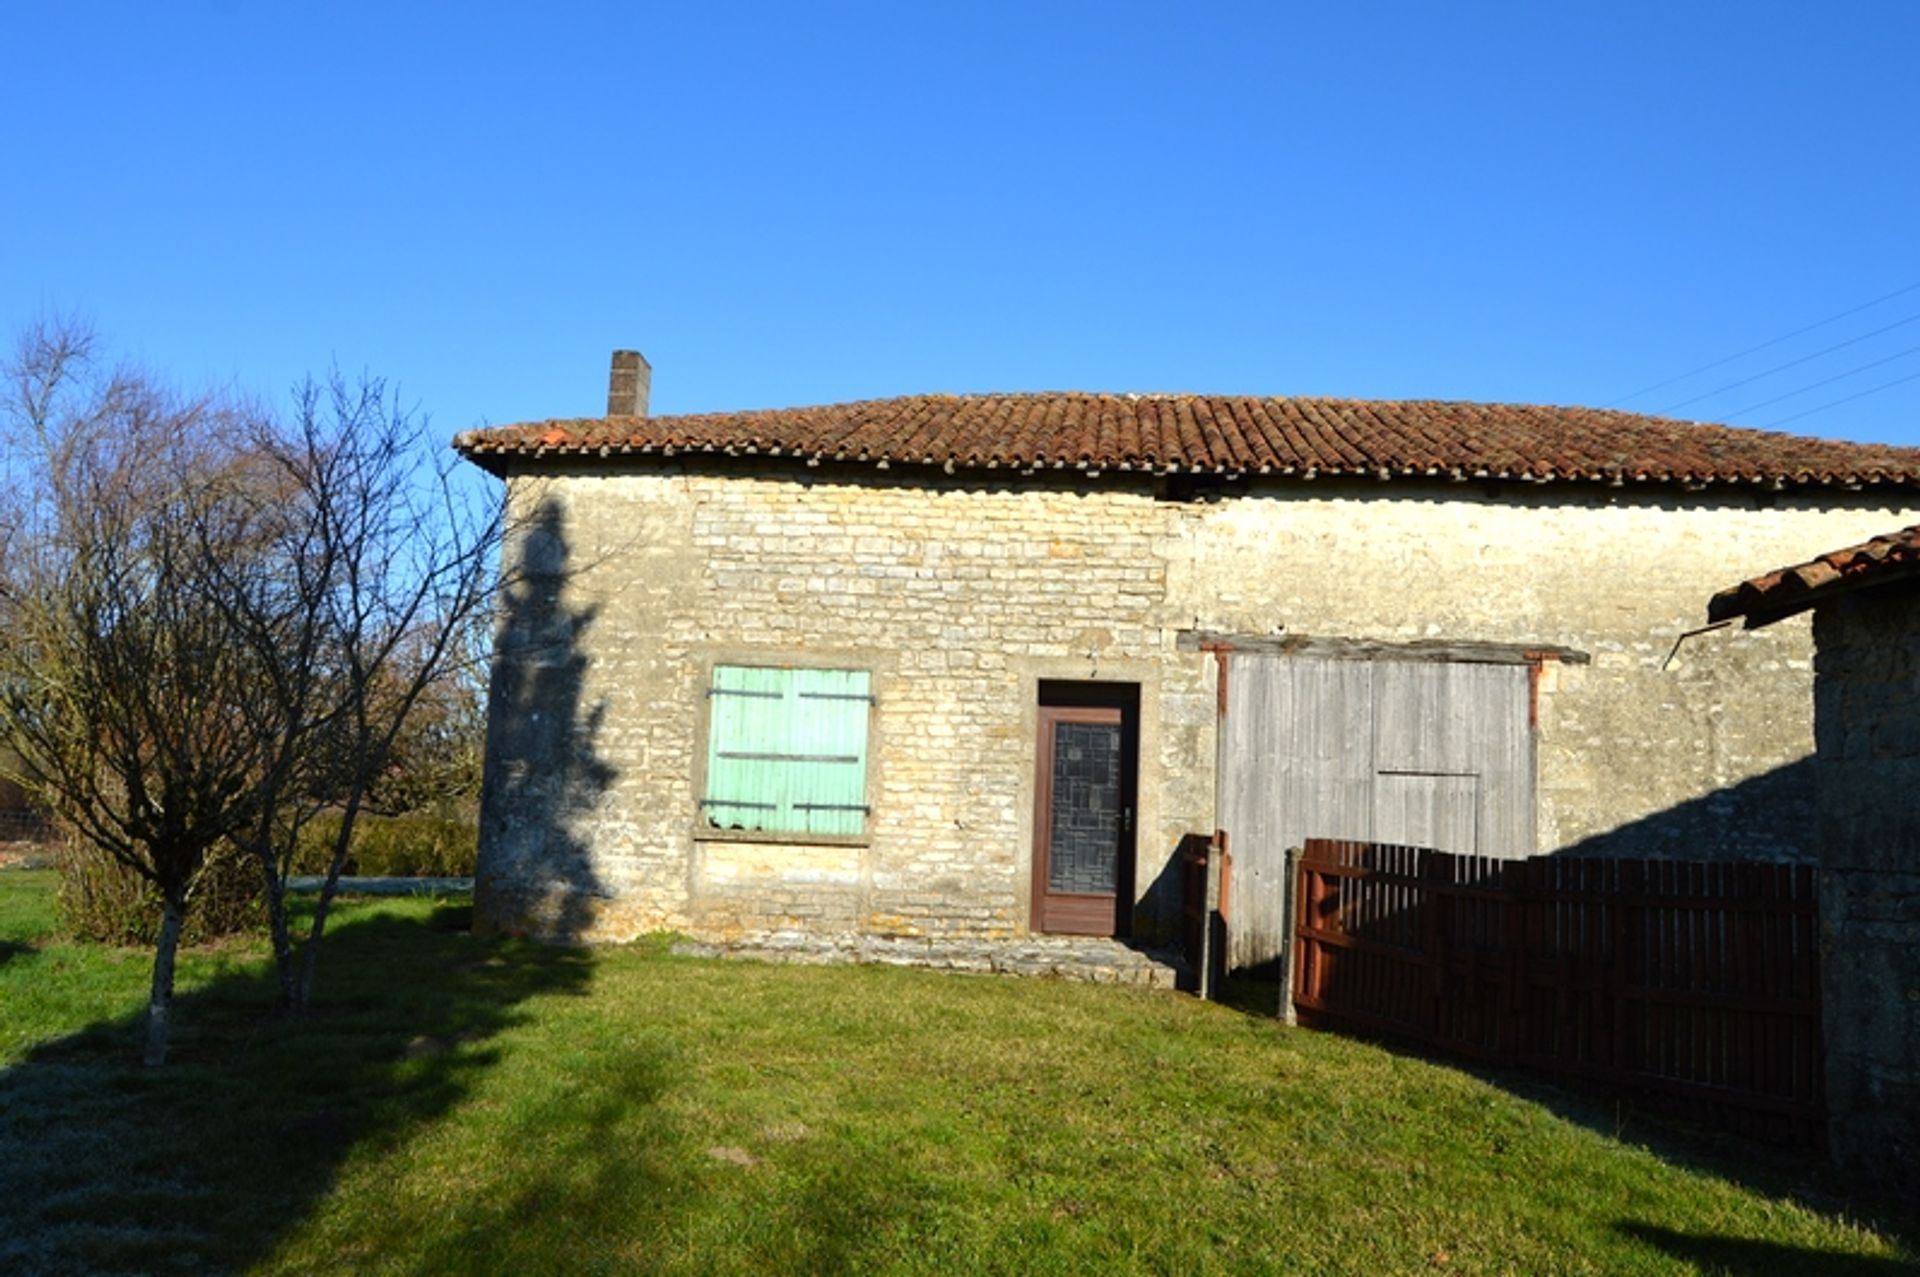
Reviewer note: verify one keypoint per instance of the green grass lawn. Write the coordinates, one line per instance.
(458, 1105)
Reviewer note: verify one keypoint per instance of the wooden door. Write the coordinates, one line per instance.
(1427, 752)
(1083, 820)
(1439, 810)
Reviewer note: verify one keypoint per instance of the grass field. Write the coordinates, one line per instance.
(457, 1105)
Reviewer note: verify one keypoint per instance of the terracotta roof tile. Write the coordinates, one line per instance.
(1780, 594)
(1230, 434)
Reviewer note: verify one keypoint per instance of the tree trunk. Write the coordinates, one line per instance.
(275, 887)
(273, 883)
(303, 992)
(160, 1004)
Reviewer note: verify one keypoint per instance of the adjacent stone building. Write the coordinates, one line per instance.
(952, 666)
(1866, 626)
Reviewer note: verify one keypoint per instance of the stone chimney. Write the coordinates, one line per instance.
(628, 384)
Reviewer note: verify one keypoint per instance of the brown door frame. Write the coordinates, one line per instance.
(1076, 913)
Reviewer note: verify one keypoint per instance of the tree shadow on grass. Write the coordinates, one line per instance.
(1745, 1255)
(213, 1162)
(10, 949)
(600, 1176)
(570, 1174)
(208, 1164)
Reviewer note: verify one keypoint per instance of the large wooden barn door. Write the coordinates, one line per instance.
(1421, 752)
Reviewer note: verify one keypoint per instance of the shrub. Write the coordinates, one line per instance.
(433, 844)
(104, 901)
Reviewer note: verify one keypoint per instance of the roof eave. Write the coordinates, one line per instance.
(500, 459)
(1755, 607)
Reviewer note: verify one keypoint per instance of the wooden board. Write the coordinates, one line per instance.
(1369, 750)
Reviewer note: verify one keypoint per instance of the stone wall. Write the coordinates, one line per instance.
(960, 595)
(1867, 715)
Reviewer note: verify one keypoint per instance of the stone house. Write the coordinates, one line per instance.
(1865, 602)
(974, 666)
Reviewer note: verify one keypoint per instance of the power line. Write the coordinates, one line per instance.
(1828, 381)
(1661, 385)
(1791, 363)
(1888, 385)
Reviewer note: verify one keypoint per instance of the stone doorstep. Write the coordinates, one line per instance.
(1089, 959)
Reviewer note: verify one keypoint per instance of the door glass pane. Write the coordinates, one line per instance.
(1083, 852)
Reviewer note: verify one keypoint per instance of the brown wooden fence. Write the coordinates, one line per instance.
(1694, 981)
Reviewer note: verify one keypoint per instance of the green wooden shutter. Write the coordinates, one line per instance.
(787, 750)
(746, 713)
(826, 790)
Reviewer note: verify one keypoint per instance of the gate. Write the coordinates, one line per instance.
(1698, 982)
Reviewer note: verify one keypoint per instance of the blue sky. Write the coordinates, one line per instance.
(812, 203)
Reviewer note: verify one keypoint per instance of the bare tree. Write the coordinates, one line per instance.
(134, 711)
(214, 625)
(386, 569)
